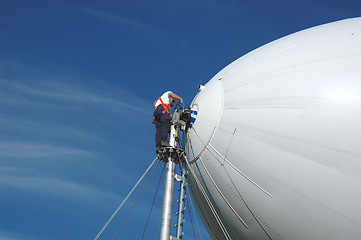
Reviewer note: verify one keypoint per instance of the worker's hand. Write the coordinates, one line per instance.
(181, 100)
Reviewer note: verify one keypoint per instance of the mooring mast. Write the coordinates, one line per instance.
(171, 156)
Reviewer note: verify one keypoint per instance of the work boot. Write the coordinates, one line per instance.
(164, 143)
(158, 147)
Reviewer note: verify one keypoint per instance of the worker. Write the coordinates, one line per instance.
(161, 118)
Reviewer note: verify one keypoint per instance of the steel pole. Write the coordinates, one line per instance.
(167, 201)
(168, 192)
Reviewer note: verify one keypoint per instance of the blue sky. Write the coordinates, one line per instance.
(77, 84)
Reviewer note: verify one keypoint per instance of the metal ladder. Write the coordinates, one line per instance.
(181, 203)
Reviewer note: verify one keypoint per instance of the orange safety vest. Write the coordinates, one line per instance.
(166, 106)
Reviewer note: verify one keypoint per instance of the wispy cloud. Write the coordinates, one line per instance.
(60, 133)
(33, 150)
(115, 19)
(52, 130)
(24, 84)
(54, 187)
(16, 236)
(60, 112)
(62, 91)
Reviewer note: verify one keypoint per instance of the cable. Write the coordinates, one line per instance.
(211, 207)
(224, 198)
(180, 142)
(155, 195)
(159, 224)
(126, 198)
(135, 203)
(175, 108)
(235, 168)
(251, 211)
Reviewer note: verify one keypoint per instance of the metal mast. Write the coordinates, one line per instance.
(168, 190)
(171, 155)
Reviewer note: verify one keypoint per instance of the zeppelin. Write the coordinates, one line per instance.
(275, 142)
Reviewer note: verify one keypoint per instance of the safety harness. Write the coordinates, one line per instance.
(166, 106)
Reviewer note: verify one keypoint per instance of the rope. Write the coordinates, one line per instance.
(223, 228)
(237, 170)
(217, 189)
(135, 203)
(126, 198)
(159, 224)
(230, 164)
(251, 211)
(155, 195)
(224, 198)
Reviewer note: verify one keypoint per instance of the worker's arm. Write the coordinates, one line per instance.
(175, 96)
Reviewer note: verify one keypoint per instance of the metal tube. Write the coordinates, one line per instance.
(168, 191)
(168, 201)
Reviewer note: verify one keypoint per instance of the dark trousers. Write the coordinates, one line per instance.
(162, 124)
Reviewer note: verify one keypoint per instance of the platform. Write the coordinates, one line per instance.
(177, 154)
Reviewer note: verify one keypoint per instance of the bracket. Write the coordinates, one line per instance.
(178, 178)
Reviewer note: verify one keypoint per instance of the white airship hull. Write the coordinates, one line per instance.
(275, 149)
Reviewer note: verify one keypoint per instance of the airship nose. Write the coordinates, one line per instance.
(206, 108)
